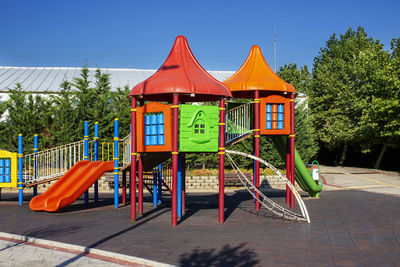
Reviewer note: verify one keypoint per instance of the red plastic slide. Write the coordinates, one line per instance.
(71, 185)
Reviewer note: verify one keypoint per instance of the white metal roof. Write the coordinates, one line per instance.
(48, 79)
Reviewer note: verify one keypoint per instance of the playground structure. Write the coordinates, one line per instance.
(163, 124)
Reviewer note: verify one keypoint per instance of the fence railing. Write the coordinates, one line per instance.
(238, 122)
(126, 150)
(51, 163)
(55, 162)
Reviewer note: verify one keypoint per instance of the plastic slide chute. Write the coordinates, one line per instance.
(302, 174)
(71, 185)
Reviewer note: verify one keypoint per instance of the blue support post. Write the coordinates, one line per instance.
(179, 200)
(155, 186)
(86, 154)
(96, 158)
(116, 163)
(159, 182)
(35, 151)
(20, 173)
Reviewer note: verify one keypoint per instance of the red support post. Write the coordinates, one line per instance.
(257, 143)
(133, 159)
(288, 170)
(175, 110)
(124, 188)
(140, 189)
(221, 153)
(292, 146)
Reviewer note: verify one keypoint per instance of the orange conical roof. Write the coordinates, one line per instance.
(182, 74)
(256, 74)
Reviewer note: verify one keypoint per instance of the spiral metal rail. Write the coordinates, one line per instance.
(263, 199)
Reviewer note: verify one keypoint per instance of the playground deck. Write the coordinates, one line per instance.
(349, 226)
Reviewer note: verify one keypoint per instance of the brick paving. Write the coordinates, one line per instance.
(20, 254)
(348, 228)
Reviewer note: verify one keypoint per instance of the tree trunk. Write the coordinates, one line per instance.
(381, 154)
(343, 157)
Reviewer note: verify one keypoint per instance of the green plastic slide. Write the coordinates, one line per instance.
(302, 175)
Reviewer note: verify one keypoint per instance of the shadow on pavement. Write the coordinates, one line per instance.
(227, 256)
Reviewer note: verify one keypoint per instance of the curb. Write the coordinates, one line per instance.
(76, 249)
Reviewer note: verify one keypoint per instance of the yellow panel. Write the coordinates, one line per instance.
(14, 168)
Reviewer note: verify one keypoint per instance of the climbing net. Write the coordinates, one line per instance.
(263, 199)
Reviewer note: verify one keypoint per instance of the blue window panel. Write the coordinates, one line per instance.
(147, 140)
(2, 177)
(153, 140)
(280, 125)
(161, 139)
(269, 116)
(160, 118)
(269, 108)
(153, 129)
(153, 119)
(147, 120)
(7, 171)
(269, 125)
(160, 129)
(280, 108)
(147, 130)
(280, 116)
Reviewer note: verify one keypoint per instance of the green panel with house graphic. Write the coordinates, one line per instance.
(198, 128)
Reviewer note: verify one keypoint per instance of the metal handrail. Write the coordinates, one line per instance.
(238, 122)
(53, 162)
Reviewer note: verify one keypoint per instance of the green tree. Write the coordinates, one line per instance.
(102, 109)
(86, 99)
(381, 95)
(66, 121)
(27, 115)
(121, 109)
(301, 79)
(341, 88)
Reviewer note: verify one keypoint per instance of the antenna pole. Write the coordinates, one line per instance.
(275, 48)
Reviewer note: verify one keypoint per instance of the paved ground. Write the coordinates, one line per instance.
(20, 254)
(356, 222)
(376, 181)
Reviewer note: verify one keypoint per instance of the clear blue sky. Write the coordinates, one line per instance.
(139, 34)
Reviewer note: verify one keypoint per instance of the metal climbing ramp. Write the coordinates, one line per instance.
(263, 199)
(238, 123)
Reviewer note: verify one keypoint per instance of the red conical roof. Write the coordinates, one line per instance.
(256, 74)
(182, 74)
